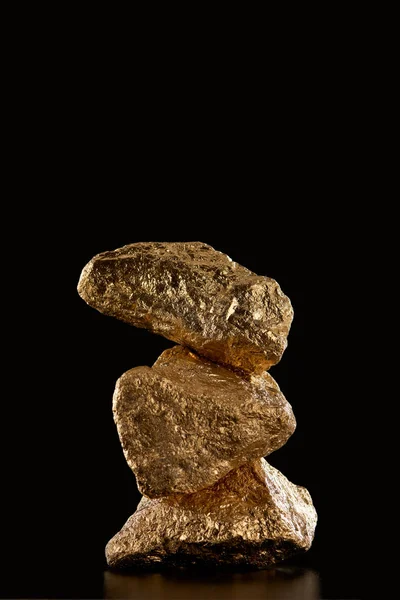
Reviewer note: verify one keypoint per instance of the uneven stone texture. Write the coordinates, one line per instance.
(193, 295)
(186, 422)
(252, 517)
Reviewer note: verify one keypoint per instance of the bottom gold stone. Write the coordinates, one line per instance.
(252, 517)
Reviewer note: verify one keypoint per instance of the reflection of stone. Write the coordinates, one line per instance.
(282, 583)
(193, 295)
(187, 422)
(252, 517)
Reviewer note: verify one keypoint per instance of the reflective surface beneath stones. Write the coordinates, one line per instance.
(283, 583)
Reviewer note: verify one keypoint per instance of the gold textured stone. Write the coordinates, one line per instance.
(186, 422)
(252, 517)
(194, 295)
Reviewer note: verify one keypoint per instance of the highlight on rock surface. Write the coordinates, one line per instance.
(195, 296)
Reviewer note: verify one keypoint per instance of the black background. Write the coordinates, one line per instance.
(269, 163)
(71, 489)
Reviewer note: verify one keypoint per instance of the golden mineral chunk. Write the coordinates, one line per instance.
(252, 517)
(186, 422)
(192, 294)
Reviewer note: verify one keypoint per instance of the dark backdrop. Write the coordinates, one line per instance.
(70, 489)
(276, 156)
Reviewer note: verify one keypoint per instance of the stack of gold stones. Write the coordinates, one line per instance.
(196, 426)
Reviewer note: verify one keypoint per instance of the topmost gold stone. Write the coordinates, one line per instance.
(194, 295)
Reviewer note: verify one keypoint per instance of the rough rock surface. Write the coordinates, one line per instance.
(186, 422)
(193, 295)
(252, 517)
